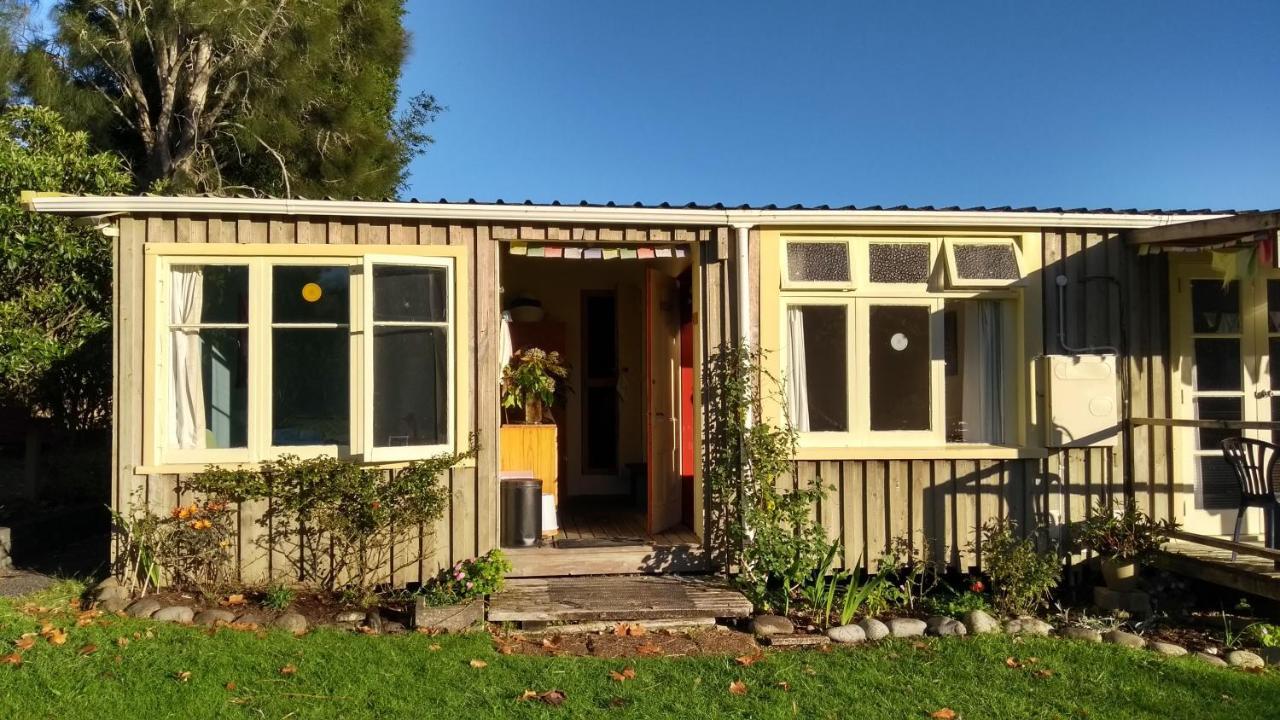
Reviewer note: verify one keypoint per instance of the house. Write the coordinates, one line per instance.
(944, 366)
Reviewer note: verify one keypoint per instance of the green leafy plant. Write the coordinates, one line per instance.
(278, 596)
(530, 381)
(1265, 634)
(190, 547)
(953, 603)
(467, 579)
(1022, 576)
(1128, 535)
(767, 532)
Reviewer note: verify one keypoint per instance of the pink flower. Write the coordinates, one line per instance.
(470, 584)
(457, 575)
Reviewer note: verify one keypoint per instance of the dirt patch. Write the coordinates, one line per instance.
(659, 643)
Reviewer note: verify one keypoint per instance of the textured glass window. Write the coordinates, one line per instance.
(818, 262)
(899, 367)
(898, 262)
(985, 261)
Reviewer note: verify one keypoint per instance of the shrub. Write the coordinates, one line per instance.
(1266, 634)
(1129, 535)
(953, 603)
(1023, 577)
(278, 596)
(467, 579)
(191, 547)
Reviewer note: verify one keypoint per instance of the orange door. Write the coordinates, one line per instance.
(662, 366)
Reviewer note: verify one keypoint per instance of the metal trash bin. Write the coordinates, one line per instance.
(521, 511)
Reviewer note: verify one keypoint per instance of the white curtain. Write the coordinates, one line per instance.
(797, 371)
(984, 372)
(186, 300)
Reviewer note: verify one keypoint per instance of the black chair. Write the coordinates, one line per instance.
(1254, 463)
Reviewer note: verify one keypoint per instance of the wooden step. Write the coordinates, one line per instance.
(616, 560)
(615, 597)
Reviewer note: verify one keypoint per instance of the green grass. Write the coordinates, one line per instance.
(348, 676)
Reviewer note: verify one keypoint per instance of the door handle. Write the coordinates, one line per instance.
(1266, 393)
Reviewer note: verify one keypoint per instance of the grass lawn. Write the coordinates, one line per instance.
(186, 673)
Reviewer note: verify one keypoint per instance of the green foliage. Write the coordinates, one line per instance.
(1023, 577)
(1129, 535)
(467, 579)
(1265, 634)
(278, 596)
(768, 532)
(226, 96)
(530, 379)
(336, 518)
(55, 276)
(954, 603)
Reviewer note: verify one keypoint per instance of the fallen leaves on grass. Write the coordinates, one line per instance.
(550, 697)
(628, 673)
(122, 641)
(945, 713)
(1012, 663)
(433, 647)
(230, 687)
(14, 659)
(786, 686)
(54, 635)
(1043, 673)
(737, 687)
(182, 675)
(88, 649)
(479, 664)
(749, 660)
(627, 629)
(288, 670)
(236, 599)
(648, 648)
(26, 642)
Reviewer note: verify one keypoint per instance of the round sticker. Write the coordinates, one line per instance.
(898, 342)
(311, 292)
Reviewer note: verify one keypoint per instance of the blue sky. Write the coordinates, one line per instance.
(1079, 103)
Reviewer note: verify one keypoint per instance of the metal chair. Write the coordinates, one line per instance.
(1254, 463)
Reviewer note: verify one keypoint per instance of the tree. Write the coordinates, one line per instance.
(13, 16)
(287, 96)
(55, 275)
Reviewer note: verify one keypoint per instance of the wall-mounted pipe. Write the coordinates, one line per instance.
(742, 243)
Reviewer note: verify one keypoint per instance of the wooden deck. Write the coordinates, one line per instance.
(1246, 573)
(616, 598)
(584, 524)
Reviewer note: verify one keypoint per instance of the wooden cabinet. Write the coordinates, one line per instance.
(531, 448)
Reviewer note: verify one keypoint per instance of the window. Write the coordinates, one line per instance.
(818, 263)
(349, 355)
(900, 357)
(982, 263)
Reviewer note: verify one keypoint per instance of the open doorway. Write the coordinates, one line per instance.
(623, 322)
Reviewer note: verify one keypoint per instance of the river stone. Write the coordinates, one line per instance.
(391, 627)
(113, 605)
(1211, 659)
(144, 608)
(1120, 637)
(1076, 632)
(293, 622)
(347, 617)
(770, 625)
(943, 626)
(110, 589)
(906, 627)
(1244, 659)
(250, 618)
(213, 616)
(874, 629)
(847, 634)
(978, 622)
(1165, 648)
(1028, 626)
(174, 613)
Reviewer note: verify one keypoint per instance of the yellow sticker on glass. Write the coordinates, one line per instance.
(311, 292)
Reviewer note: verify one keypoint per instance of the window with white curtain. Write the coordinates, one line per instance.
(271, 355)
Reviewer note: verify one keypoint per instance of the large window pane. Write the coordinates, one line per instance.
(898, 337)
(1217, 408)
(304, 294)
(410, 386)
(404, 293)
(818, 262)
(979, 367)
(1215, 308)
(209, 388)
(1219, 488)
(1217, 364)
(310, 382)
(817, 368)
(209, 294)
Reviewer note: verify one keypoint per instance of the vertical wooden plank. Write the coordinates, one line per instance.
(281, 232)
(1052, 249)
(921, 481)
(852, 524)
(486, 372)
(372, 233)
(1077, 289)
(401, 234)
(988, 503)
(876, 501)
(252, 543)
(966, 491)
(829, 508)
(898, 496)
(946, 489)
(464, 522)
(806, 477)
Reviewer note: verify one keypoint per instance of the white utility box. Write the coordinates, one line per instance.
(1082, 399)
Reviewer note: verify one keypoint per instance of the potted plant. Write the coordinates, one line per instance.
(1123, 540)
(529, 381)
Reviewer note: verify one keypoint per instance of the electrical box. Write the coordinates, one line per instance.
(1083, 401)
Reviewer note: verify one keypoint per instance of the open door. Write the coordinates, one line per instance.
(662, 365)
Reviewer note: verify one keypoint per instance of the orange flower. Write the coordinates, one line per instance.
(201, 524)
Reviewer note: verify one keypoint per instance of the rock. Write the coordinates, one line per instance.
(874, 629)
(250, 618)
(292, 622)
(847, 634)
(212, 616)
(174, 613)
(1211, 659)
(978, 622)
(1075, 632)
(943, 626)
(447, 618)
(113, 605)
(906, 627)
(1165, 648)
(1120, 637)
(1028, 626)
(770, 625)
(110, 589)
(794, 641)
(349, 617)
(1244, 659)
(144, 608)
(373, 620)
(391, 627)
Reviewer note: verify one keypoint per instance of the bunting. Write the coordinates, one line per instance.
(579, 252)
